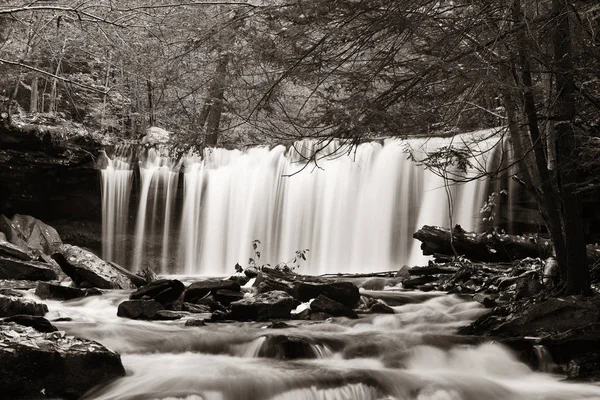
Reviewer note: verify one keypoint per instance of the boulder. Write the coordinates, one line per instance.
(148, 275)
(195, 322)
(38, 323)
(196, 308)
(84, 266)
(37, 234)
(326, 305)
(210, 302)
(199, 289)
(263, 307)
(285, 347)
(168, 315)
(27, 232)
(56, 365)
(345, 293)
(379, 307)
(25, 270)
(270, 279)
(136, 279)
(47, 290)
(8, 249)
(164, 291)
(485, 300)
(10, 306)
(226, 297)
(139, 309)
(278, 325)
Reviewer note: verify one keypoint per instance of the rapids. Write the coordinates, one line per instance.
(411, 355)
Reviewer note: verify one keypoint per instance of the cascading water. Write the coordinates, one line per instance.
(410, 355)
(355, 213)
(117, 178)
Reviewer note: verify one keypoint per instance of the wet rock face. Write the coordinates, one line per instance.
(38, 323)
(165, 291)
(199, 289)
(139, 309)
(83, 266)
(38, 365)
(28, 232)
(25, 270)
(275, 304)
(10, 306)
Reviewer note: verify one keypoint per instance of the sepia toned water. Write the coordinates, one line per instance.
(355, 210)
(411, 355)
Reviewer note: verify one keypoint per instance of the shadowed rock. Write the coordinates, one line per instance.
(164, 291)
(10, 306)
(38, 323)
(59, 366)
(199, 289)
(342, 292)
(25, 270)
(139, 309)
(263, 307)
(46, 290)
(326, 305)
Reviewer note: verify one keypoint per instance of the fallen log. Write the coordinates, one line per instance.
(488, 246)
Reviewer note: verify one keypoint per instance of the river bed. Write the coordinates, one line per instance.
(413, 354)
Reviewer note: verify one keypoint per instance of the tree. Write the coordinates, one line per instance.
(392, 68)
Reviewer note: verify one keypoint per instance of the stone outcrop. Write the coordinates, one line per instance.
(30, 233)
(88, 270)
(275, 304)
(11, 305)
(165, 291)
(199, 289)
(36, 364)
(331, 307)
(139, 309)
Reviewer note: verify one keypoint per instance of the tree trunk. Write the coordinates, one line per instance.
(151, 116)
(33, 100)
(548, 193)
(577, 280)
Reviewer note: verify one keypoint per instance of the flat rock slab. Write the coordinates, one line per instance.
(8, 249)
(59, 365)
(10, 305)
(38, 323)
(25, 270)
(84, 266)
(47, 290)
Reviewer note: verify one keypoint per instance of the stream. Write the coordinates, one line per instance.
(413, 354)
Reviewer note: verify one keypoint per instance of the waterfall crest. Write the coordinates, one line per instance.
(356, 212)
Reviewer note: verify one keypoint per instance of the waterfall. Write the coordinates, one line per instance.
(355, 212)
(117, 179)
